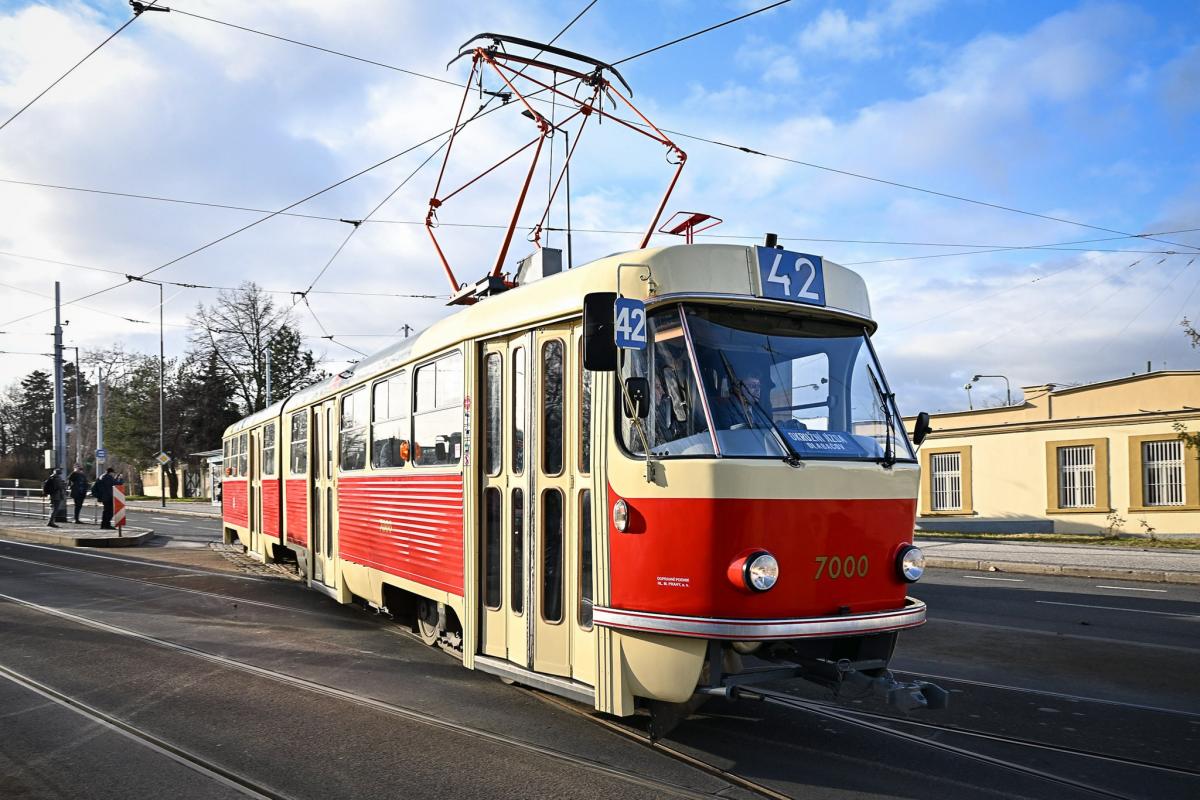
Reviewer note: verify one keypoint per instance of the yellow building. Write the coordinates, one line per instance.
(1080, 459)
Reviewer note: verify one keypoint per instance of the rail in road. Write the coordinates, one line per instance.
(1062, 766)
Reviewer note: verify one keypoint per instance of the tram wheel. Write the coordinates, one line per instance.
(427, 621)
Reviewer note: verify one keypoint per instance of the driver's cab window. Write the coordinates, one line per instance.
(676, 424)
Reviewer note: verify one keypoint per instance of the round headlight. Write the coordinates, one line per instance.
(762, 571)
(620, 515)
(911, 564)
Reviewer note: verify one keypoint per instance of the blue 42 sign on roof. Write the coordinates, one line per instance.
(797, 277)
(630, 328)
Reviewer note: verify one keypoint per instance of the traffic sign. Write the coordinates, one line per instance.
(118, 519)
(163, 459)
(101, 454)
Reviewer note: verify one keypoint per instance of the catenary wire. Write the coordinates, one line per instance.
(75, 66)
(1161, 292)
(665, 45)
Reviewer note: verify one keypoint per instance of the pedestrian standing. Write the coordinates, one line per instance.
(77, 483)
(102, 490)
(56, 490)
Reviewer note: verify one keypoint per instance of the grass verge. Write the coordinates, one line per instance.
(1139, 542)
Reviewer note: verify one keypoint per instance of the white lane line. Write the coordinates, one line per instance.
(1117, 608)
(1131, 589)
(987, 578)
(75, 551)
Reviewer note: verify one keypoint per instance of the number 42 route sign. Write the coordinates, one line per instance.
(630, 328)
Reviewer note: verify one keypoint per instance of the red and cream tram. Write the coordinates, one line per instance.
(611, 523)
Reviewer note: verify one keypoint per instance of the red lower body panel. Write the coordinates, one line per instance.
(410, 526)
(835, 556)
(295, 506)
(270, 507)
(235, 508)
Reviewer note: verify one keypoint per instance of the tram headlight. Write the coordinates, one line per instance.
(910, 562)
(620, 515)
(761, 572)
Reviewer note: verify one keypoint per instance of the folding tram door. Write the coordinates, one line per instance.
(531, 559)
(254, 491)
(322, 491)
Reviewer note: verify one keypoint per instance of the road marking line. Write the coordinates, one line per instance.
(987, 578)
(1131, 589)
(1117, 608)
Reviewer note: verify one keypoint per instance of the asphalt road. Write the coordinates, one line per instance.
(172, 672)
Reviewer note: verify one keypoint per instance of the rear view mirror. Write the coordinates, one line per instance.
(637, 393)
(599, 344)
(922, 428)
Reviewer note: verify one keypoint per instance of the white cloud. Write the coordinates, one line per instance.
(835, 34)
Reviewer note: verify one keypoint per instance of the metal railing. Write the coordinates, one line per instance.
(31, 503)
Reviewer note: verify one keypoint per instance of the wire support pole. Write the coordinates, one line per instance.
(162, 369)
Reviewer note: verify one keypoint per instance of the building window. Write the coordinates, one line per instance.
(299, 443)
(268, 452)
(353, 451)
(389, 422)
(438, 412)
(945, 480)
(1077, 476)
(1162, 473)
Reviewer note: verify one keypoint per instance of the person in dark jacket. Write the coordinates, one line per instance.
(77, 483)
(102, 490)
(56, 490)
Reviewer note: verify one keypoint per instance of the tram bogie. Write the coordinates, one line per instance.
(751, 508)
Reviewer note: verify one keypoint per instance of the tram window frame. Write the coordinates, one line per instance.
(226, 461)
(399, 418)
(587, 554)
(553, 447)
(493, 414)
(445, 375)
(347, 433)
(268, 450)
(586, 380)
(244, 455)
(520, 408)
(298, 451)
(550, 588)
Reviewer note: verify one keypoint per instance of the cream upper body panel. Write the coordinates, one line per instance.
(653, 274)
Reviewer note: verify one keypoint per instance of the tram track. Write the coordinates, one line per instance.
(664, 788)
(205, 767)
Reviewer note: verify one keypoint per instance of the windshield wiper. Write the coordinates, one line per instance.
(885, 400)
(792, 459)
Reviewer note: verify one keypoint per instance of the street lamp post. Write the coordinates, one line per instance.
(162, 467)
(1007, 387)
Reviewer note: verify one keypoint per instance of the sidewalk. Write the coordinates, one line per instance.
(1076, 560)
(175, 507)
(70, 535)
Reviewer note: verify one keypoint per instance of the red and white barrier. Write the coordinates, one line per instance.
(118, 519)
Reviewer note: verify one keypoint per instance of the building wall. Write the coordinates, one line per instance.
(1010, 476)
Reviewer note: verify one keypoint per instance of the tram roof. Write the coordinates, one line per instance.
(705, 271)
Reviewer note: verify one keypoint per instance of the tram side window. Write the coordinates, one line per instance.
(438, 414)
(552, 407)
(519, 400)
(552, 555)
(585, 415)
(353, 451)
(299, 443)
(244, 454)
(585, 559)
(493, 431)
(492, 554)
(389, 422)
(268, 449)
(227, 461)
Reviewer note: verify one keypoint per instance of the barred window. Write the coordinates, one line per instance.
(945, 481)
(1162, 473)
(299, 464)
(1077, 476)
(389, 422)
(353, 450)
(268, 449)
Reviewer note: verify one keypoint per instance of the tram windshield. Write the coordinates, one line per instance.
(760, 384)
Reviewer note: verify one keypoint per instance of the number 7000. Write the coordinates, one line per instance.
(841, 567)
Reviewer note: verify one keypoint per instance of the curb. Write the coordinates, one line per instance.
(41, 537)
(182, 512)
(1148, 575)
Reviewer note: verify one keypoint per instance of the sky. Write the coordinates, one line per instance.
(903, 112)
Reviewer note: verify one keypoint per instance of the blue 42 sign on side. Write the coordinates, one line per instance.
(630, 328)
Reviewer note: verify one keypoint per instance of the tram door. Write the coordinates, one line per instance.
(323, 428)
(530, 558)
(254, 492)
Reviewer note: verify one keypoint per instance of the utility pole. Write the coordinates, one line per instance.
(162, 467)
(100, 459)
(407, 329)
(78, 421)
(268, 374)
(60, 420)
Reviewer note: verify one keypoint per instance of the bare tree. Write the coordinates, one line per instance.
(238, 330)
